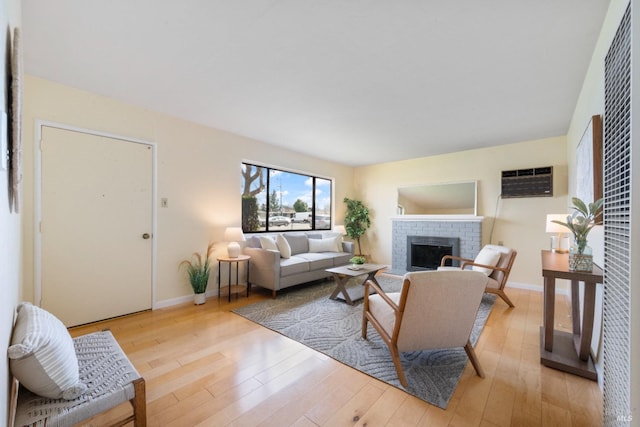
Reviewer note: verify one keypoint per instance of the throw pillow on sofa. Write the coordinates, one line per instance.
(333, 244)
(42, 356)
(298, 243)
(267, 242)
(283, 246)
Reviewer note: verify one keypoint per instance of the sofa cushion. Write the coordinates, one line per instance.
(283, 246)
(330, 234)
(341, 258)
(299, 243)
(318, 261)
(293, 265)
(382, 312)
(267, 242)
(333, 244)
(42, 356)
(252, 242)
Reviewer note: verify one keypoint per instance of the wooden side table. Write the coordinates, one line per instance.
(569, 352)
(236, 287)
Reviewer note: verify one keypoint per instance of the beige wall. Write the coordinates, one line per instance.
(198, 171)
(519, 223)
(10, 260)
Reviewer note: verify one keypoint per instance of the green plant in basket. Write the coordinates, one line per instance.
(358, 260)
(198, 269)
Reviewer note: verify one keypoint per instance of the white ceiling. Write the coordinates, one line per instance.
(358, 81)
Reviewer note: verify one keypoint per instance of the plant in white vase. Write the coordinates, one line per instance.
(358, 260)
(198, 268)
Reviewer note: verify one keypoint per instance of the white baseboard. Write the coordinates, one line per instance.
(187, 298)
(180, 300)
(535, 288)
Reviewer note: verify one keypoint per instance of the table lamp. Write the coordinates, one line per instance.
(557, 242)
(340, 229)
(233, 235)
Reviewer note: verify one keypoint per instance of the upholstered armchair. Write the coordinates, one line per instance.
(493, 260)
(433, 310)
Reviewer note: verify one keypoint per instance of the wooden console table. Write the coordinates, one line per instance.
(569, 352)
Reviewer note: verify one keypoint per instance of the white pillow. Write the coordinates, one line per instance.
(486, 256)
(268, 243)
(338, 242)
(42, 356)
(283, 246)
(326, 245)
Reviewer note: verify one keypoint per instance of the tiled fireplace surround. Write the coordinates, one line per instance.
(468, 230)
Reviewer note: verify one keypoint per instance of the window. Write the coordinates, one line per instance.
(278, 200)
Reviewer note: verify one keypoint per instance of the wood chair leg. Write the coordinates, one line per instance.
(139, 403)
(474, 359)
(502, 295)
(395, 355)
(365, 322)
(505, 298)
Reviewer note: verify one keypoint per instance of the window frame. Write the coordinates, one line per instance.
(269, 188)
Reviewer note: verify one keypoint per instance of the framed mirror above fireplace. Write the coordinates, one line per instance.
(453, 198)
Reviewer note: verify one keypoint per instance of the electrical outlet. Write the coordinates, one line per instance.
(164, 202)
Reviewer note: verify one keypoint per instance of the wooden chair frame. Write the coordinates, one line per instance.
(138, 404)
(392, 341)
(465, 262)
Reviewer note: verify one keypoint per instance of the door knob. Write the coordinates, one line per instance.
(146, 236)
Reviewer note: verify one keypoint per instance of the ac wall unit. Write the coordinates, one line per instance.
(534, 182)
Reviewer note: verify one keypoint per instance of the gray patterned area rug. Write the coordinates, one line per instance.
(307, 315)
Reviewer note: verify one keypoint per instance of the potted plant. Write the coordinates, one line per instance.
(356, 220)
(198, 269)
(580, 222)
(358, 260)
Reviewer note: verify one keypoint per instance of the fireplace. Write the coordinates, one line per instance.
(426, 252)
(467, 230)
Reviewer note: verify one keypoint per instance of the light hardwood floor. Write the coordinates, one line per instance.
(206, 366)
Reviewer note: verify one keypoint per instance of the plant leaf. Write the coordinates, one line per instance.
(580, 206)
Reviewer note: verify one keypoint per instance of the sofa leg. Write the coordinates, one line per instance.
(273, 294)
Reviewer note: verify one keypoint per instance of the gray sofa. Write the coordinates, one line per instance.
(288, 259)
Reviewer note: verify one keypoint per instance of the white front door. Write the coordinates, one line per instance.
(96, 228)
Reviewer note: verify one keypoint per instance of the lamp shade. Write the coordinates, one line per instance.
(233, 235)
(340, 229)
(552, 227)
(558, 243)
